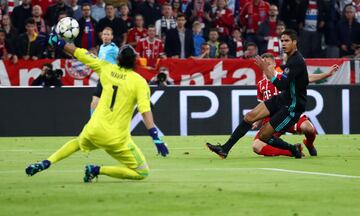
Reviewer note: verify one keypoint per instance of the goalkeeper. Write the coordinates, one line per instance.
(109, 126)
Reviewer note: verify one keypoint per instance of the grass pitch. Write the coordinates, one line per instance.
(192, 181)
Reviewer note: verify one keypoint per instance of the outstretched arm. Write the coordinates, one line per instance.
(317, 77)
(81, 54)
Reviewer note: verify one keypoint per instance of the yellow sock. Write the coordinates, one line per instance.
(124, 172)
(65, 151)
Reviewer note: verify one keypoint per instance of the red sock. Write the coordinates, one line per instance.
(309, 141)
(268, 150)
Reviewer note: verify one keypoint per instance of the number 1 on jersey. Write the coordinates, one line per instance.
(115, 88)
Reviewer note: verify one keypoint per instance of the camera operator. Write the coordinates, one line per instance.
(161, 79)
(48, 77)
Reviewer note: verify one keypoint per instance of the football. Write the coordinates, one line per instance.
(67, 28)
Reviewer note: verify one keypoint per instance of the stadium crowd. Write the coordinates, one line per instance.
(185, 28)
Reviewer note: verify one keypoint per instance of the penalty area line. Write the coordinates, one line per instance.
(310, 173)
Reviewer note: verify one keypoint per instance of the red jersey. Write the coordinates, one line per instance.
(150, 50)
(252, 15)
(265, 90)
(135, 35)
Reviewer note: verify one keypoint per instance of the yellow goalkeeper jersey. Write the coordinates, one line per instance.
(122, 90)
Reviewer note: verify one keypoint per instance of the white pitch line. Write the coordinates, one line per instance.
(310, 173)
(232, 169)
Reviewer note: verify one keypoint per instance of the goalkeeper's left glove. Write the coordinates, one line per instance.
(56, 40)
(160, 145)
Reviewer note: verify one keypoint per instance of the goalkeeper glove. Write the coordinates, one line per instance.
(56, 40)
(160, 145)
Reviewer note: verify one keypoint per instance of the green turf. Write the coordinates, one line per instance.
(192, 181)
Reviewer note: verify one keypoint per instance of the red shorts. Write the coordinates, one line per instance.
(293, 129)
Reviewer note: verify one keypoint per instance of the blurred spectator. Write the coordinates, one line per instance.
(150, 10)
(28, 47)
(223, 19)
(253, 13)
(311, 29)
(5, 53)
(267, 29)
(205, 51)
(224, 51)
(356, 4)
(348, 31)
(236, 44)
(198, 38)
(77, 13)
(199, 10)
(48, 77)
(214, 43)
(166, 22)
(138, 32)
(44, 4)
(162, 79)
(251, 50)
(53, 12)
(115, 23)
(11, 31)
(176, 8)
(87, 38)
(20, 14)
(124, 15)
(357, 52)
(150, 48)
(274, 44)
(292, 13)
(179, 42)
(41, 27)
(98, 10)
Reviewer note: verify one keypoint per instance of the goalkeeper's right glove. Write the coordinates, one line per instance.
(160, 145)
(56, 41)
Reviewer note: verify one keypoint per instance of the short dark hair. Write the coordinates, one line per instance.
(268, 55)
(109, 4)
(251, 44)
(166, 5)
(30, 20)
(291, 33)
(205, 44)
(222, 43)
(280, 23)
(2, 31)
(85, 4)
(138, 15)
(214, 30)
(151, 26)
(180, 15)
(127, 57)
(50, 66)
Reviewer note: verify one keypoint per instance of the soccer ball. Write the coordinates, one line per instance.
(67, 28)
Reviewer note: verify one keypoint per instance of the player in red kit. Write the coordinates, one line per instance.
(266, 90)
(150, 47)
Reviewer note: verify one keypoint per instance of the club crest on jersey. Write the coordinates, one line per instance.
(286, 71)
